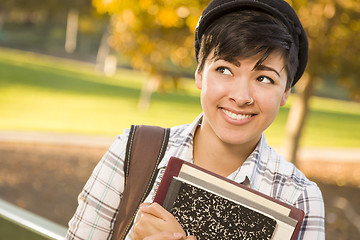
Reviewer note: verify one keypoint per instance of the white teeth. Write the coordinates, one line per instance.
(236, 116)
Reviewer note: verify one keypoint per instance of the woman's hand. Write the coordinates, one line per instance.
(155, 221)
(169, 236)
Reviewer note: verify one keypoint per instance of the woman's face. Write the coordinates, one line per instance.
(227, 90)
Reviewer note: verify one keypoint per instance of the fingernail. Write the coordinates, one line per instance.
(178, 235)
(143, 207)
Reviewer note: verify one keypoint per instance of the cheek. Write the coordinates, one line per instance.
(212, 90)
(220, 87)
(270, 103)
(269, 109)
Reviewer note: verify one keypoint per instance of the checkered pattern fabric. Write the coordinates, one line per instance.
(267, 171)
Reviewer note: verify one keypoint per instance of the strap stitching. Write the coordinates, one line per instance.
(128, 157)
(158, 159)
(164, 141)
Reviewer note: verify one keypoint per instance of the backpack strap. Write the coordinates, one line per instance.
(145, 148)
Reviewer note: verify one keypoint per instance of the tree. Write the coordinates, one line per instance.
(49, 7)
(154, 35)
(43, 11)
(333, 31)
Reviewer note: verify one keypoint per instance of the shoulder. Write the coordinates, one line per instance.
(179, 130)
(290, 183)
(291, 186)
(179, 135)
(118, 147)
(185, 132)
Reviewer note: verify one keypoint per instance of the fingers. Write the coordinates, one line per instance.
(156, 210)
(147, 224)
(190, 238)
(139, 214)
(145, 204)
(170, 236)
(152, 220)
(166, 236)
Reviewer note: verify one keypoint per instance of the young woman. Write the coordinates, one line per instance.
(250, 53)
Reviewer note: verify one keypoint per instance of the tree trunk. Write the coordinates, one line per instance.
(151, 84)
(71, 30)
(2, 20)
(297, 117)
(103, 52)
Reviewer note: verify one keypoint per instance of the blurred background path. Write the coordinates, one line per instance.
(66, 67)
(44, 173)
(305, 154)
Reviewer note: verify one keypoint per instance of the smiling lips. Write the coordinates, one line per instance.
(237, 116)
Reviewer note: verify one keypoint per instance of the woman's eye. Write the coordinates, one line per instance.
(224, 70)
(265, 79)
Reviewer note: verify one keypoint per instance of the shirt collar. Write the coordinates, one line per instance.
(181, 142)
(257, 159)
(246, 173)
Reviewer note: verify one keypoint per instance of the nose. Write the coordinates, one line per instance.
(241, 92)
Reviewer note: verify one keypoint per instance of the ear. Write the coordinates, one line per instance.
(285, 97)
(198, 78)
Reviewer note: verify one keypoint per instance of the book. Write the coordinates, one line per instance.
(210, 206)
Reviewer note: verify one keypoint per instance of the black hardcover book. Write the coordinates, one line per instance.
(208, 215)
(210, 206)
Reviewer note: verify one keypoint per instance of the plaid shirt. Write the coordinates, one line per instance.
(268, 173)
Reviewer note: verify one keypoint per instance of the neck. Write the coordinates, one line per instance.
(211, 153)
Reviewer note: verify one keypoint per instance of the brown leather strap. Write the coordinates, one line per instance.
(146, 147)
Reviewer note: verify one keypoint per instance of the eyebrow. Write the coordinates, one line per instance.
(258, 67)
(229, 60)
(266, 68)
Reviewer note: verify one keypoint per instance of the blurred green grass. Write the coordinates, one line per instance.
(48, 94)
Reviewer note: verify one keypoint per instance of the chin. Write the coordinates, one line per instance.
(232, 139)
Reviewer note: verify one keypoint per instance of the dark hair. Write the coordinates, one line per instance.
(246, 33)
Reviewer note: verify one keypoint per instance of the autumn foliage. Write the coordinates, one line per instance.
(154, 34)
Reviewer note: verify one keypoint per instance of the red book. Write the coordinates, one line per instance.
(210, 206)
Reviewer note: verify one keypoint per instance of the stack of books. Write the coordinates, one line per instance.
(210, 206)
